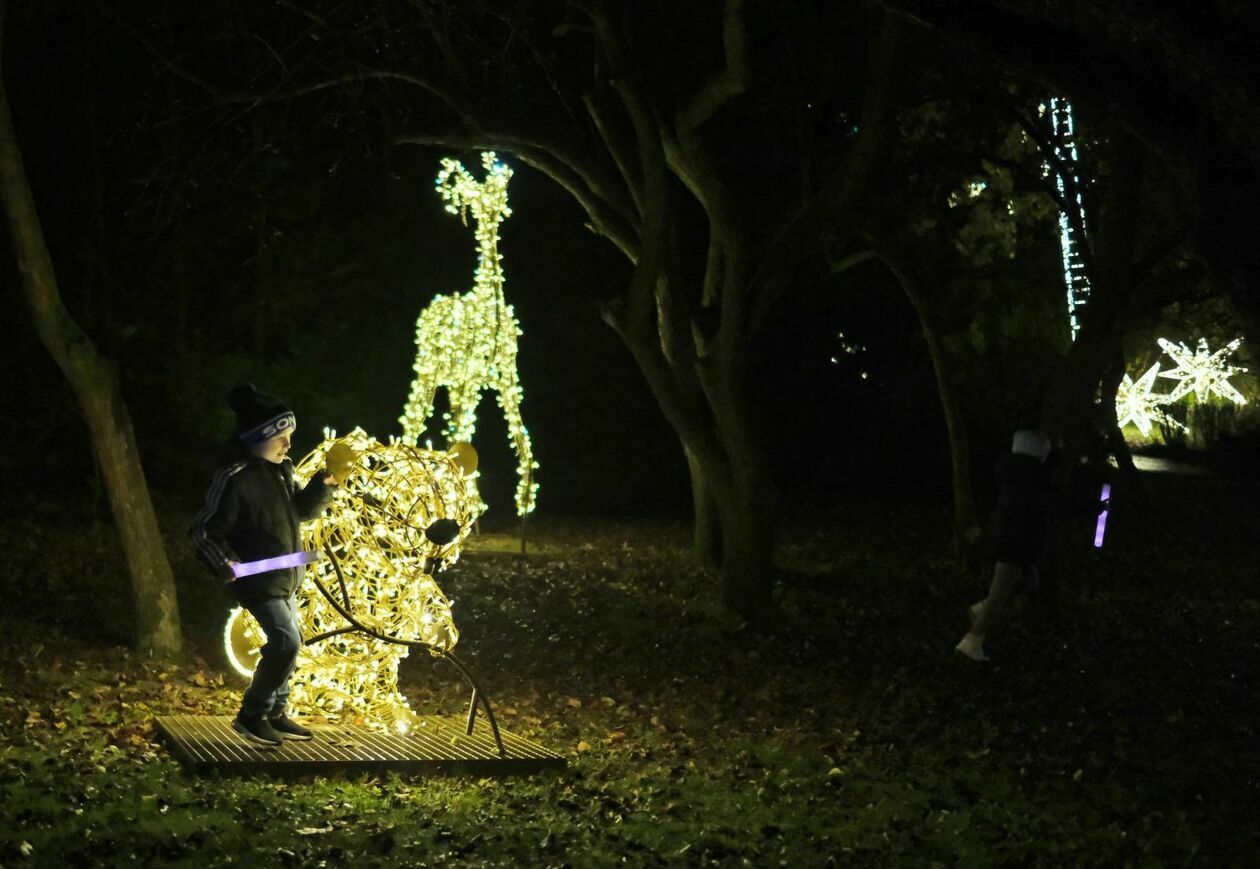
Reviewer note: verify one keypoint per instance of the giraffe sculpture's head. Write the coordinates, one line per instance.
(487, 200)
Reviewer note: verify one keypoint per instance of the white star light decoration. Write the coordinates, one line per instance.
(1136, 402)
(1202, 371)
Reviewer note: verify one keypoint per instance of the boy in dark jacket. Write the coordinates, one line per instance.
(253, 511)
(1020, 528)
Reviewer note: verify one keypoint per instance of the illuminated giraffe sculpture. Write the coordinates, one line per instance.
(467, 342)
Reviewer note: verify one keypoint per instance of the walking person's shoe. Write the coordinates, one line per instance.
(974, 611)
(971, 647)
(257, 729)
(288, 728)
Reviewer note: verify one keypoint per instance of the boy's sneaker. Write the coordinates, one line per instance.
(974, 610)
(971, 647)
(289, 728)
(257, 729)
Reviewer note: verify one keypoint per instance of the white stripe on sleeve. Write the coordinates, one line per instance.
(204, 544)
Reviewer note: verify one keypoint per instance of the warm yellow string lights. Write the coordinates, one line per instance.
(467, 342)
(375, 527)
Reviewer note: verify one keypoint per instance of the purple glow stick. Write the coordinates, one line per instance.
(1101, 529)
(295, 559)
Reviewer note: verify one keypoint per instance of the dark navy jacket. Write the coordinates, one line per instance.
(1021, 522)
(253, 510)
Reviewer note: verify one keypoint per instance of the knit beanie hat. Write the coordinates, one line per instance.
(1031, 442)
(259, 417)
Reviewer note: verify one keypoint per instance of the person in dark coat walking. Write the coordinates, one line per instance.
(1020, 528)
(253, 510)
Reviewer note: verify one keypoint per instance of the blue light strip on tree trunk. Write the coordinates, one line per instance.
(1074, 274)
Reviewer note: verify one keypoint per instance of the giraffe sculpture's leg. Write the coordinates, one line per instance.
(459, 427)
(509, 389)
(432, 367)
(464, 398)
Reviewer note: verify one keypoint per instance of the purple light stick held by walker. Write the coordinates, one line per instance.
(295, 559)
(1100, 530)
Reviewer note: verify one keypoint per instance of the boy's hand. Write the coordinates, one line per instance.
(330, 480)
(227, 572)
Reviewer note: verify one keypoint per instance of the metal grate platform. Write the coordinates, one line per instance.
(439, 745)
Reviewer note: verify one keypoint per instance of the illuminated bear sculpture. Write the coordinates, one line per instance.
(373, 596)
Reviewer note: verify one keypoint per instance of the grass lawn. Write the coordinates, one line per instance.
(844, 731)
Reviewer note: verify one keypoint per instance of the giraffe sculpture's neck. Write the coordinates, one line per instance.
(489, 276)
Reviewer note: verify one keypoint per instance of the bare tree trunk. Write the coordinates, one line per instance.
(748, 526)
(749, 505)
(97, 308)
(1080, 411)
(96, 387)
(1115, 437)
(734, 499)
(966, 525)
(741, 523)
(707, 531)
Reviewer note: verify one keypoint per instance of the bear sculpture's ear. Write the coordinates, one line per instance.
(442, 531)
(465, 456)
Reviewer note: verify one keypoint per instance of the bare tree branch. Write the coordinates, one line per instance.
(853, 260)
(726, 84)
(690, 159)
(640, 309)
(616, 149)
(227, 95)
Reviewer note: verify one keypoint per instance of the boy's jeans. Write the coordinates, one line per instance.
(268, 693)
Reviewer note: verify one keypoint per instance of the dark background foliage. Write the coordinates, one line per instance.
(293, 246)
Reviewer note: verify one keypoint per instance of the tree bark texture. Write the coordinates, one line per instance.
(96, 388)
(707, 527)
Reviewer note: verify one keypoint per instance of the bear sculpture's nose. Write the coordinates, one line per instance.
(442, 531)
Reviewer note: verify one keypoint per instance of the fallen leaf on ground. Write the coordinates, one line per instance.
(314, 831)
